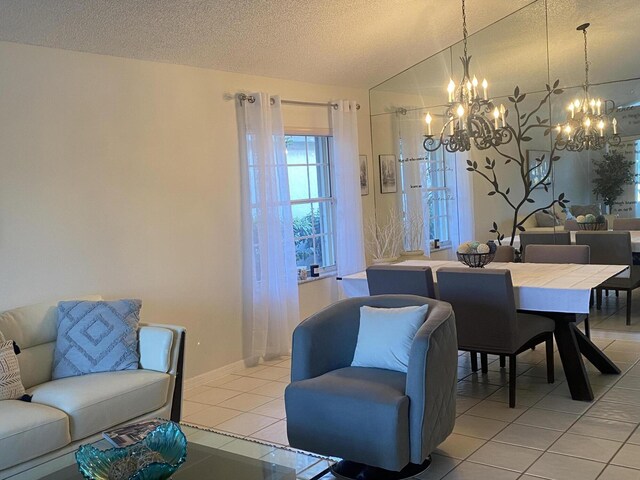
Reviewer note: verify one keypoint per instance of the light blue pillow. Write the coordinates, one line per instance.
(96, 337)
(385, 336)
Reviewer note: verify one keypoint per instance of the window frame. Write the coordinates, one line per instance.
(318, 200)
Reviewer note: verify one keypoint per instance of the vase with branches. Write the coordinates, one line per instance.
(613, 172)
(522, 129)
(384, 241)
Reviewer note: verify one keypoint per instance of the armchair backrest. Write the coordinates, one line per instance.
(607, 248)
(484, 306)
(402, 280)
(327, 340)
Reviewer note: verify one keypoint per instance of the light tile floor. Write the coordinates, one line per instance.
(548, 435)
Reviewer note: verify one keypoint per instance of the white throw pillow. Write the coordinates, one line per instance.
(11, 387)
(385, 336)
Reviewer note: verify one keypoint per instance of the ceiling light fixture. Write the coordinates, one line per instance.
(587, 125)
(468, 113)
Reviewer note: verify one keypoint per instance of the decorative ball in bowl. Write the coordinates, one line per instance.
(156, 457)
(475, 254)
(591, 222)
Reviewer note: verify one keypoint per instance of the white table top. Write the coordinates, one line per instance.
(538, 286)
(635, 239)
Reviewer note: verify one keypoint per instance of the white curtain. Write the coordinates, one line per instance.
(463, 224)
(349, 231)
(270, 293)
(414, 174)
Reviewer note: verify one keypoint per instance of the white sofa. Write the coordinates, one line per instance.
(73, 410)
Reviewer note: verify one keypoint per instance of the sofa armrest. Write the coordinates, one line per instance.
(155, 348)
(432, 381)
(175, 363)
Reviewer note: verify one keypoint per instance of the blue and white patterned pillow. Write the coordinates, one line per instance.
(96, 337)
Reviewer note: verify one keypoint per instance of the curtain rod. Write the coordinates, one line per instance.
(251, 99)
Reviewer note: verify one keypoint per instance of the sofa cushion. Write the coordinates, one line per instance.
(359, 414)
(96, 337)
(34, 328)
(99, 401)
(11, 387)
(28, 430)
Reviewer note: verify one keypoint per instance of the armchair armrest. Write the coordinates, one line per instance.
(432, 381)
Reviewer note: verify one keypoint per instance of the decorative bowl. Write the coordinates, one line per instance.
(156, 457)
(592, 225)
(476, 260)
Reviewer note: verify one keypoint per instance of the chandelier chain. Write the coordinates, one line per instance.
(586, 60)
(464, 29)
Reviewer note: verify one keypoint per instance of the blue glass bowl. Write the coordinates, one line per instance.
(159, 454)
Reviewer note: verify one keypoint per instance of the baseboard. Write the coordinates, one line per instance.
(212, 375)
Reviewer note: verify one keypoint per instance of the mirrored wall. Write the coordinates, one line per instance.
(438, 199)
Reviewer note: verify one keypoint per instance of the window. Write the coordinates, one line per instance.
(312, 204)
(425, 185)
(437, 195)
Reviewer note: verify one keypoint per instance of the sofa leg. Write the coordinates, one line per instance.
(176, 402)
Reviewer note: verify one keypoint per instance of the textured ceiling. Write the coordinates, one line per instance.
(356, 43)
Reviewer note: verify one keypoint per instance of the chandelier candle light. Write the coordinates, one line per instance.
(587, 125)
(470, 117)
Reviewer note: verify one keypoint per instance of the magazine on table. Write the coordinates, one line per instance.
(130, 434)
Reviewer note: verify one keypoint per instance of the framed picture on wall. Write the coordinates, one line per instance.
(538, 164)
(364, 175)
(388, 177)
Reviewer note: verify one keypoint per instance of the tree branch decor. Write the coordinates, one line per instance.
(522, 130)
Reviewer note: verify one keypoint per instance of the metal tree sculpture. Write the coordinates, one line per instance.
(521, 135)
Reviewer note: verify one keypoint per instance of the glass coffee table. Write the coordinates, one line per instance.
(210, 455)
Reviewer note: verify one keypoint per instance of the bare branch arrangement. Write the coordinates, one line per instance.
(384, 242)
(522, 131)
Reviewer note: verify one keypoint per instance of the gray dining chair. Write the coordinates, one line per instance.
(403, 280)
(612, 248)
(542, 238)
(373, 418)
(578, 254)
(626, 224)
(487, 321)
(505, 253)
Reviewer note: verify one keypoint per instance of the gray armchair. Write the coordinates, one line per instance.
(379, 421)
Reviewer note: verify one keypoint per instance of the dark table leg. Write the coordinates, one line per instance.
(572, 363)
(594, 354)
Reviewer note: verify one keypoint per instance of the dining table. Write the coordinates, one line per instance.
(559, 291)
(635, 239)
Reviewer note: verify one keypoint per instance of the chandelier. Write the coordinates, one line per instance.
(587, 125)
(468, 114)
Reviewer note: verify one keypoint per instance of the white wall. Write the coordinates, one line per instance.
(121, 177)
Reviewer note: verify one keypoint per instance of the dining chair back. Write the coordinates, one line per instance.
(403, 280)
(607, 248)
(558, 254)
(484, 305)
(626, 224)
(612, 248)
(487, 321)
(505, 253)
(543, 238)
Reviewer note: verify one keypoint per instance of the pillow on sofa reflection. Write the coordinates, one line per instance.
(546, 219)
(385, 336)
(96, 337)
